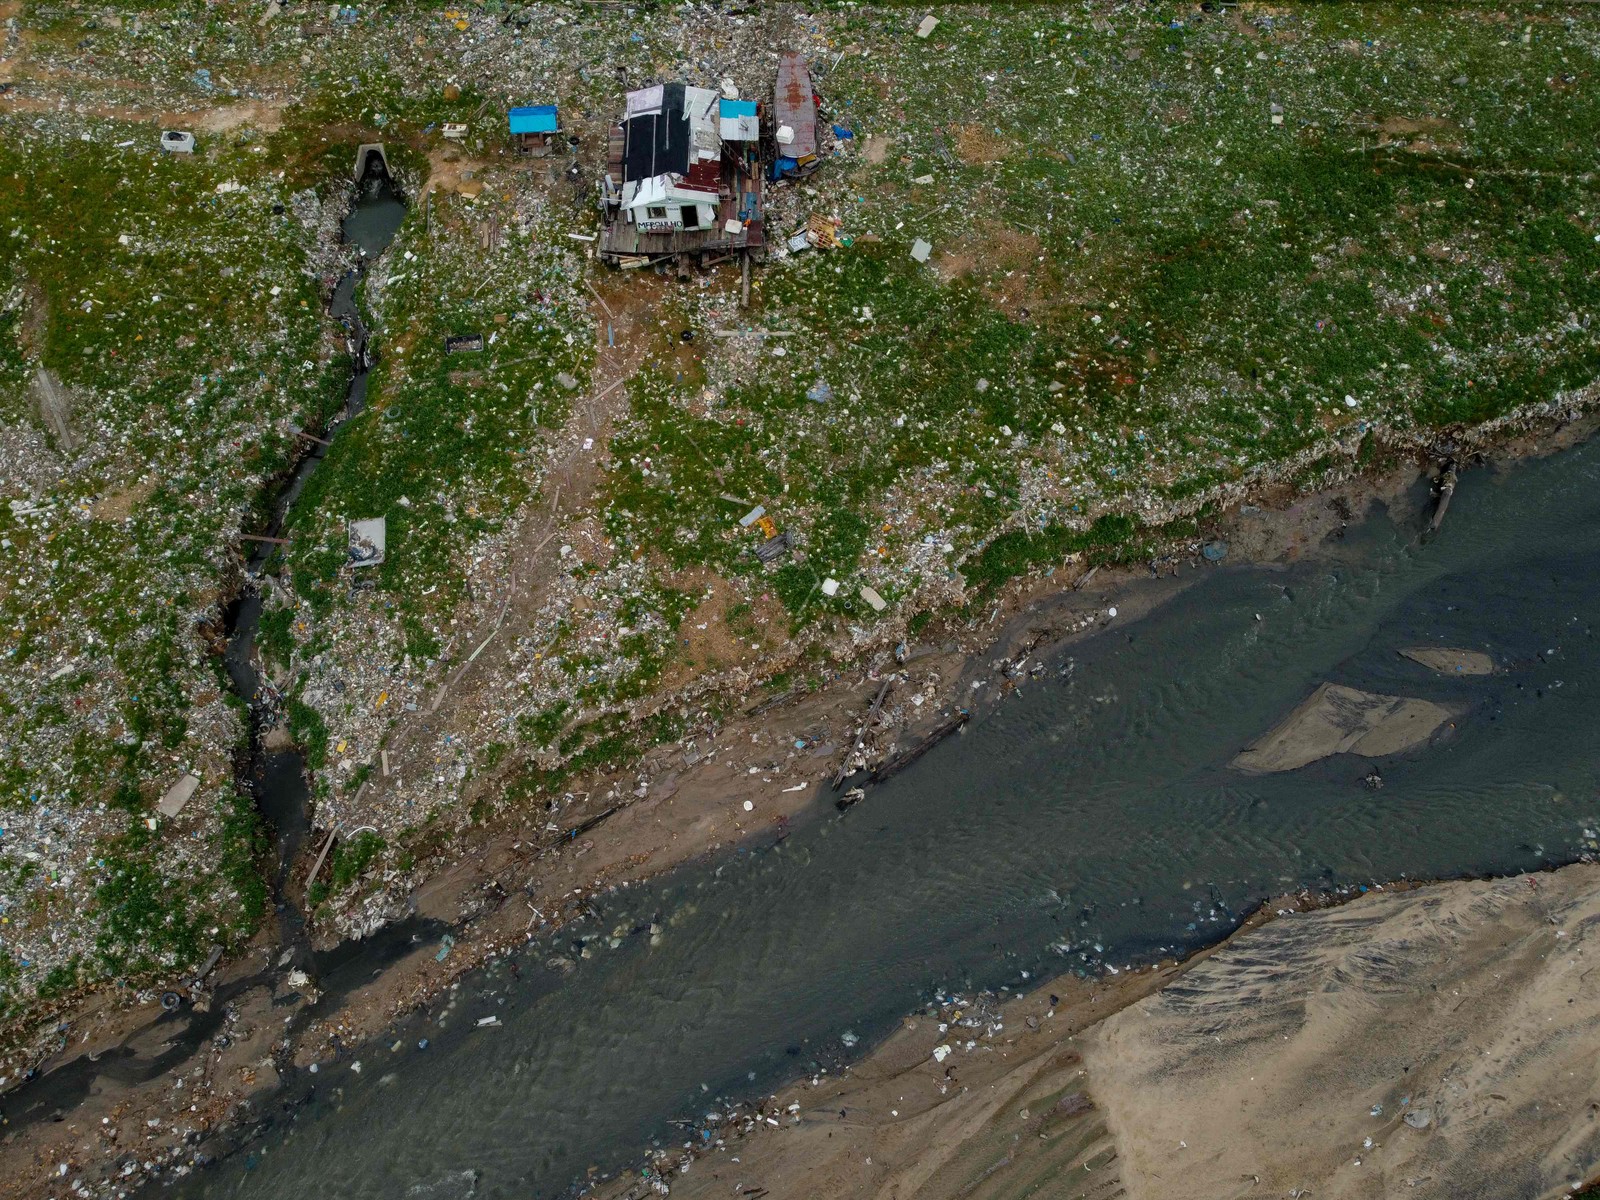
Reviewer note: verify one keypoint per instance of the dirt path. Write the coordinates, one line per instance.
(123, 99)
(266, 115)
(534, 555)
(531, 560)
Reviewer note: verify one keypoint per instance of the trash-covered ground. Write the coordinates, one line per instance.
(162, 339)
(1087, 273)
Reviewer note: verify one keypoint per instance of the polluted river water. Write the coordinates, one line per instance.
(1090, 822)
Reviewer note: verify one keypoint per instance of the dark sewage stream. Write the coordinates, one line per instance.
(276, 778)
(1090, 822)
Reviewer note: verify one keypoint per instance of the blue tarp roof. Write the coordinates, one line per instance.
(737, 108)
(538, 118)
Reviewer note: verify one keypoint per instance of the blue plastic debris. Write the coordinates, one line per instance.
(843, 134)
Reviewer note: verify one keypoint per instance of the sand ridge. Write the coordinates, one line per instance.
(1440, 1041)
(1293, 1058)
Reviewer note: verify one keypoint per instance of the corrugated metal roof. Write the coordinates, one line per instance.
(700, 105)
(537, 118)
(646, 102)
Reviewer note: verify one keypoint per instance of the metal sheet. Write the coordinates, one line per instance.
(794, 107)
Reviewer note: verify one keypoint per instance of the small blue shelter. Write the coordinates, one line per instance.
(534, 128)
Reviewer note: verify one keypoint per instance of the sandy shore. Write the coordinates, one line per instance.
(1437, 1041)
(500, 888)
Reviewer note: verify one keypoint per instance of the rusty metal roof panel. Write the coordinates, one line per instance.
(794, 106)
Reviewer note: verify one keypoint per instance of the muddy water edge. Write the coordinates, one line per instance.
(1088, 823)
(275, 778)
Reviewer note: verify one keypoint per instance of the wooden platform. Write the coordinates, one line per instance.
(740, 193)
(623, 240)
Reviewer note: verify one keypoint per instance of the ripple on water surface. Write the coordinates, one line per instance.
(1095, 811)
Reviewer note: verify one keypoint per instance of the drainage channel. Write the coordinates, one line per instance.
(275, 778)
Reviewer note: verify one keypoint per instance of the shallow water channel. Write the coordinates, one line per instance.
(1090, 820)
(277, 777)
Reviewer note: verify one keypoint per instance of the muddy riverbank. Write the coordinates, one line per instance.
(492, 905)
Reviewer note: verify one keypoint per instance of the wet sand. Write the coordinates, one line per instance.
(1436, 1041)
(1451, 662)
(1344, 720)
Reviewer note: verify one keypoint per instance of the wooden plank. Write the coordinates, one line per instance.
(326, 846)
(878, 703)
(872, 716)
